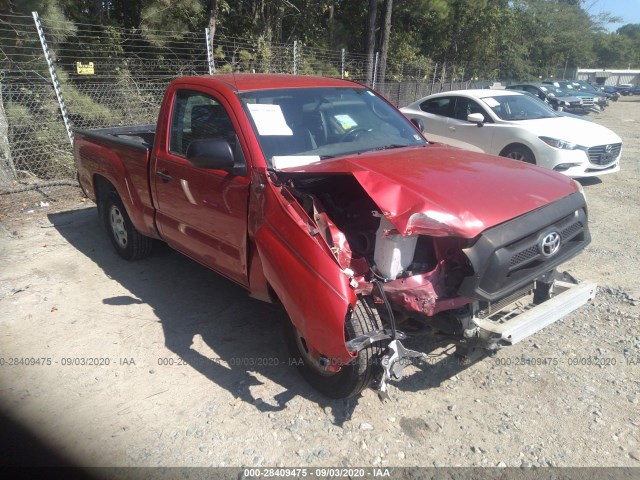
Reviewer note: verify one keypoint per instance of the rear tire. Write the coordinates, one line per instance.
(352, 378)
(520, 153)
(126, 240)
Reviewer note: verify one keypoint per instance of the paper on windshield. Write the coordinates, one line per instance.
(345, 121)
(269, 119)
(290, 161)
(492, 102)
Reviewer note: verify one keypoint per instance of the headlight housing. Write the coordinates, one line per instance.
(580, 189)
(561, 144)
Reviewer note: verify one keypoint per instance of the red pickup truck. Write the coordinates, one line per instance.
(320, 195)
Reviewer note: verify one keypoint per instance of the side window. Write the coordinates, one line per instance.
(535, 92)
(466, 106)
(437, 106)
(197, 116)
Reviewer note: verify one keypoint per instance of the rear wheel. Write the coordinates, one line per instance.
(352, 378)
(520, 153)
(127, 241)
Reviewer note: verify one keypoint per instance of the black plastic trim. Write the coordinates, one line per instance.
(496, 276)
(111, 134)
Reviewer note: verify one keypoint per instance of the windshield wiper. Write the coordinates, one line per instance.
(389, 147)
(384, 147)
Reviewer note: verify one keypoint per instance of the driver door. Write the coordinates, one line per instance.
(202, 212)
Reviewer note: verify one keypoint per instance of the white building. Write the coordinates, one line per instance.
(608, 77)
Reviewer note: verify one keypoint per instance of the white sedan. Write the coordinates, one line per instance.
(512, 124)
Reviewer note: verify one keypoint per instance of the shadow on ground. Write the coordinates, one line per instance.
(191, 302)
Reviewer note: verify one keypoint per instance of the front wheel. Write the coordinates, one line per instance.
(127, 241)
(520, 153)
(352, 378)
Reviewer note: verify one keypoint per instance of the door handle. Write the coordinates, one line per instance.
(164, 176)
(452, 128)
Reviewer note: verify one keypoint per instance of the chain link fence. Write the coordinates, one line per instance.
(110, 76)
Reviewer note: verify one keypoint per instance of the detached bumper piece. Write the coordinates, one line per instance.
(520, 319)
(507, 322)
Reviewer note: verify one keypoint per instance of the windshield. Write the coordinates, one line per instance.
(303, 125)
(517, 107)
(585, 87)
(552, 89)
(571, 92)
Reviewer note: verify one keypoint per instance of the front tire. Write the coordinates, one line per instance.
(519, 153)
(352, 378)
(126, 240)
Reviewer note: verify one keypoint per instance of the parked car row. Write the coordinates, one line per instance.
(554, 96)
(583, 90)
(518, 125)
(587, 87)
(628, 89)
(572, 96)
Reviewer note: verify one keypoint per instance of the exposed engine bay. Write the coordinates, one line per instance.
(421, 274)
(411, 284)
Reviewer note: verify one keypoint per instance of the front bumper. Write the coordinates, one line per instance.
(592, 170)
(574, 163)
(567, 297)
(509, 324)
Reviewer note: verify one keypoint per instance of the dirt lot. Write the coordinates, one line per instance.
(187, 370)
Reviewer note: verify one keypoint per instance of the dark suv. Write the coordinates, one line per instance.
(582, 89)
(550, 94)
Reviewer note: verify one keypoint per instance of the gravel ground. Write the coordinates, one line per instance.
(190, 371)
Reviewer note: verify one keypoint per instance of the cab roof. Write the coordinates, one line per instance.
(243, 82)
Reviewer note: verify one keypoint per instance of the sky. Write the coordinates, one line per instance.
(628, 10)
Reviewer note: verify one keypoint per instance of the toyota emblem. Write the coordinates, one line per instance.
(550, 244)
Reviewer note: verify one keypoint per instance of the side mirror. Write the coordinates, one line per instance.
(476, 118)
(418, 123)
(214, 154)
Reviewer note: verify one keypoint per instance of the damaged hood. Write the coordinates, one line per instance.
(443, 191)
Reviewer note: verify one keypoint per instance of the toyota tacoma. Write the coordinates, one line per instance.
(318, 194)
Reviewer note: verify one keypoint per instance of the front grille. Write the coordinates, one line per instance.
(588, 101)
(604, 154)
(527, 250)
(571, 231)
(567, 233)
(524, 255)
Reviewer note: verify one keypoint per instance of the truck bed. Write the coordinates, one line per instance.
(119, 155)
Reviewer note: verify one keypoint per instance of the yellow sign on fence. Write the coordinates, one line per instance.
(84, 68)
